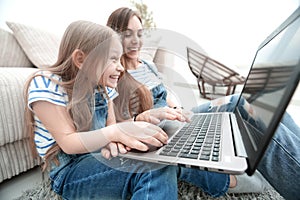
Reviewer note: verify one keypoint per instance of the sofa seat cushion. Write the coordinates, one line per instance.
(12, 106)
(16, 158)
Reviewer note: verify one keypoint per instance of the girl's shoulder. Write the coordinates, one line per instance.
(47, 75)
(46, 80)
(46, 86)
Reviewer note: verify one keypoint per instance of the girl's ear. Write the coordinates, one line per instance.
(78, 57)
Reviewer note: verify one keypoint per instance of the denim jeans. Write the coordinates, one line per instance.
(90, 176)
(281, 162)
(159, 94)
(100, 111)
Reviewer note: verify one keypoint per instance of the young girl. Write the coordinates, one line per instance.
(280, 165)
(70, 118)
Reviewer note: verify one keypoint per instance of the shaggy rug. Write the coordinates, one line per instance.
(185, 192)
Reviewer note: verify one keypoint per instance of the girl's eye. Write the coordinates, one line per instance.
(115, 59)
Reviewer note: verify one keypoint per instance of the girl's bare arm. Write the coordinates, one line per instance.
(58, 122)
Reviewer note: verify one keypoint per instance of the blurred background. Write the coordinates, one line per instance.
(229, 31)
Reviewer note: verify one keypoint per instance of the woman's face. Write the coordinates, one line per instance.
(114, 68)
(132, 38)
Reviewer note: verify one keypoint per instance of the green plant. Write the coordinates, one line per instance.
(146, 15)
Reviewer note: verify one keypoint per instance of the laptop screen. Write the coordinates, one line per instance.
(273, 77)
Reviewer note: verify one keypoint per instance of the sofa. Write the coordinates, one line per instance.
(23, 50)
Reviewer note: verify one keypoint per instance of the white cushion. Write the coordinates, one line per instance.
(11, 54)
(40, 46)
(12, 106)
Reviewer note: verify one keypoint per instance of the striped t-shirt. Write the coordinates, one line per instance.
(146, 76)
(42, 88)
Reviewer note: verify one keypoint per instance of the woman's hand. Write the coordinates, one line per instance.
(154, 116)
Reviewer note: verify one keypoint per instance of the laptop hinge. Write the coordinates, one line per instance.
(238, 141)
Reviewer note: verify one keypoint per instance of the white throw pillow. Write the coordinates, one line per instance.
(11, 54)
(40, 46)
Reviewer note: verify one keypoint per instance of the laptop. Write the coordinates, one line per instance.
(237, 143)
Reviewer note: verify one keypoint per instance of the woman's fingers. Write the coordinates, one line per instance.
(173, 114)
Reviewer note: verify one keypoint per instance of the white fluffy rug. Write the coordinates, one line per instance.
(185, 192)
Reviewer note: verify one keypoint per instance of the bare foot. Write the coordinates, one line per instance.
(233, 181)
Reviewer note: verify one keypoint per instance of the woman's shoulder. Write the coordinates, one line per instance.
(150, 64)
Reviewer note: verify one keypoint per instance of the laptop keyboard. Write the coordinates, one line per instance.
(199, 139)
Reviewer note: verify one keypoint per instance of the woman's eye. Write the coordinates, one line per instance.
(128, 34)
(140, 34)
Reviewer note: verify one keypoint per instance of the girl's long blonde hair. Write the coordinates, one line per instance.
(134, 97)
(94, 41)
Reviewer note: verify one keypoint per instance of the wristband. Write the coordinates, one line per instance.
(134, 117)
(175, 107)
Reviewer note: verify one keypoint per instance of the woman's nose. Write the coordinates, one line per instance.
(135, 38)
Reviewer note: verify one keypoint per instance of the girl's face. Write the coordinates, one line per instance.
(114, 68)
(132, 38)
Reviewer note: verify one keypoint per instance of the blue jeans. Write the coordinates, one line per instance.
(100, 111)
(159, 94)
(281, 162)
(90, 176)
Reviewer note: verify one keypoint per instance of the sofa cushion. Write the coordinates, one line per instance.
(40, 46)
(11, 54)
(12, 106)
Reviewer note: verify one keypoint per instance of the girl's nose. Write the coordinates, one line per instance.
(120, 67)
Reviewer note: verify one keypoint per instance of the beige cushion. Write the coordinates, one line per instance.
(40, 46)
(12, 106)
(11, 54)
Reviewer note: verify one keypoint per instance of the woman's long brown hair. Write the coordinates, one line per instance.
(134, 97)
